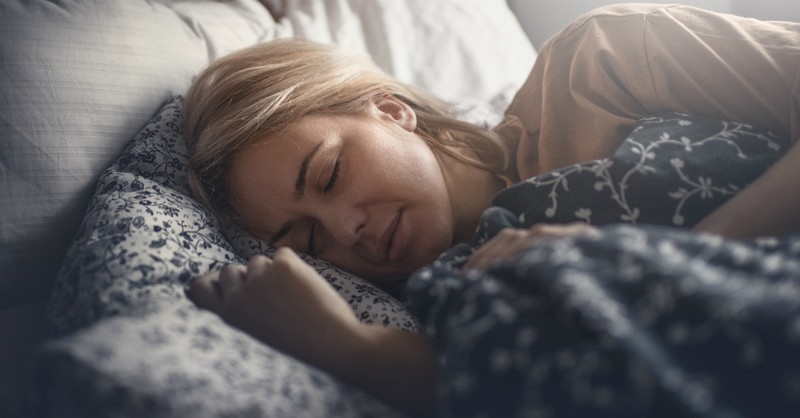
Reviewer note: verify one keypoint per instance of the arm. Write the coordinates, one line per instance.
(770, 206)
(680, 59)
(285, 303)
(607, 69)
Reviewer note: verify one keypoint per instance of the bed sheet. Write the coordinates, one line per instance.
(130, 343)
(642, 318)
(82, 77)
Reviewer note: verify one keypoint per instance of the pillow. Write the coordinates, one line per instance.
(143, 237)
(673, 169)
(176, 361)
(222, 27)
(461, 50)
(79, 79)
(129, 334)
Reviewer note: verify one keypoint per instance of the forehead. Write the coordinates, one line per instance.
(262, 175)
(278, 154)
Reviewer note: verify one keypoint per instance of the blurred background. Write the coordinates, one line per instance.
(543, 18)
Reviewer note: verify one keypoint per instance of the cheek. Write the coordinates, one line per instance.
(416, 168)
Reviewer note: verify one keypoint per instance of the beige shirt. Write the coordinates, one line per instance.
(610, 67)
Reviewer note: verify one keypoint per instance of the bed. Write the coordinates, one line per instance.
(104, 227)
(102, 234)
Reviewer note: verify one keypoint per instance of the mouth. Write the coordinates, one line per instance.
(389, 243)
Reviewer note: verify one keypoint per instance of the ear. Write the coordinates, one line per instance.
(398, 111)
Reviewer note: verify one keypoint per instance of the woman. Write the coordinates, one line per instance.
(318, 151)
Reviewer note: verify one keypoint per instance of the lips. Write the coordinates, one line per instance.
(387, 242)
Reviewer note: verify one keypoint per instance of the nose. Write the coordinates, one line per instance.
(344, 222)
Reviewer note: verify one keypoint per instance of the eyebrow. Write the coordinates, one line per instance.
(299, 191)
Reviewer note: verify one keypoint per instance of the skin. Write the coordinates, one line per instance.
(746, 216)
(510, 242)
(262, 297)
(377, 201)
(387, 176)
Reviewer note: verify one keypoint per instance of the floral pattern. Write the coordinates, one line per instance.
(637, 320)
(671, 170)
(631, 322)
(126, 340)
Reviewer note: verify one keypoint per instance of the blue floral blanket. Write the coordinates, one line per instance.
(643, 319)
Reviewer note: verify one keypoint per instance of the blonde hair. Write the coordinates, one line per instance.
(263, 89)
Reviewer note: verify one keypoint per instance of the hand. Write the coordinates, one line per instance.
(509, 242)
(282, 301)
(285, 303)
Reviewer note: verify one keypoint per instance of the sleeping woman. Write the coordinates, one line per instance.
(315, 150)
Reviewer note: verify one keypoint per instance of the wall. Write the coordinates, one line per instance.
(543, 18)
(768, 9)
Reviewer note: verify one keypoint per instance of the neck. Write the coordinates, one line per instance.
(471, 191)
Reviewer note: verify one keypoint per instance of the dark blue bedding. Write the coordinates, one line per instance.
(643, 319)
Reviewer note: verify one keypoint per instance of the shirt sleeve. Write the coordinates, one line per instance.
(612, 66)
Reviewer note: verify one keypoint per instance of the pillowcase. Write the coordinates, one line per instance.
(143, 237)
(79, 79)
(176, 361)
(461, 50)
(132, 343)
(673, 169)
(67, 115)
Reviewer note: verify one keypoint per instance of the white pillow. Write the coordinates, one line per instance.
(80, 78)
(461, 50)
(225, 26)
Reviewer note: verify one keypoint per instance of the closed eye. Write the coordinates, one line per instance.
(328, 187)
(334, 175)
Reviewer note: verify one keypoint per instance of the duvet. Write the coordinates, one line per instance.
(642, 319)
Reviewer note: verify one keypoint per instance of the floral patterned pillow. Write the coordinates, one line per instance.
(143, 237)
(673, 169)
(127, 341)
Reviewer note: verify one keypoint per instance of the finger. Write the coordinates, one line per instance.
(257, 267)
(582, 228)
(230, 278)
(204, 291)
(541, 231)
(479, 259)
(499, 247)
(285, 258)
(304, 279)
(289, 264)
(284, 253)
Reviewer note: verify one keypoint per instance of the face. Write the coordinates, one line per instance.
(363, 192)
